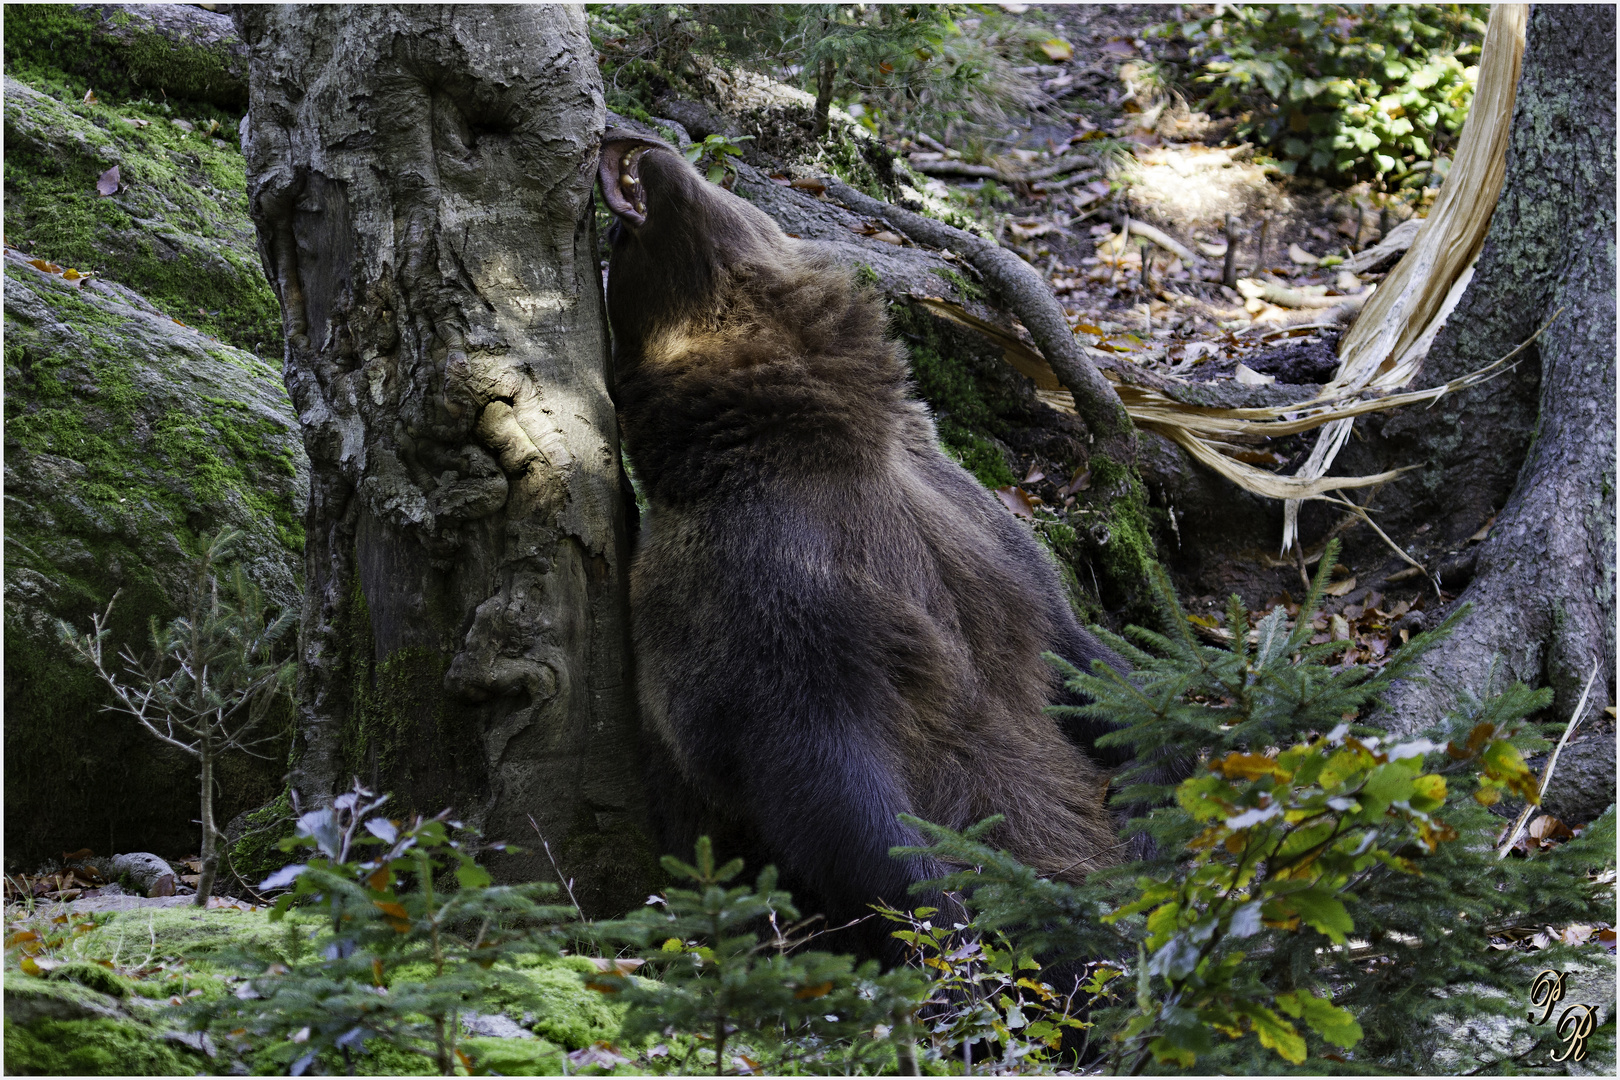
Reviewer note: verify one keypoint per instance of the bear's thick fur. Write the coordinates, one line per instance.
(834, 623)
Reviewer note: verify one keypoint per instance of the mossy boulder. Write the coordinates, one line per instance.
(30, 1000)
(176, 230)
(127, 436)
(100, 1047)
(164, 51)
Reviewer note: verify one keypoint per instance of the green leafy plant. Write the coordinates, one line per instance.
(985, 992)
(208, 682)
(1344, 88)
(1320, 892)
(401, 952)
(732, 1000)
(713, 156)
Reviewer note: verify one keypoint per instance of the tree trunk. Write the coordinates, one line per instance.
(420, 178)
(210, 834)
(824, 91)
(1539, 443)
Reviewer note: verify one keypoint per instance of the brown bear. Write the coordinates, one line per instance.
(834, 623)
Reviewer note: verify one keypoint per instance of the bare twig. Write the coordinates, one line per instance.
(1164, 240)
(1064, 164)
(1552, 763)
(1361, 512)
(567, 883)
(1066, 182)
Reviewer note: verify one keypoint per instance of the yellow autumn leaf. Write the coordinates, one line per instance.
(1057, 50)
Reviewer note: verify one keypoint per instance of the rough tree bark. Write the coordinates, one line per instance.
(420, 178)
(1121, 533)
(1537, 448)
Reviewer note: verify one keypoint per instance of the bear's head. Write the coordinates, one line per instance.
(679, 242)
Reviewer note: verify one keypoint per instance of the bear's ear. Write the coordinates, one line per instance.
(620, 176)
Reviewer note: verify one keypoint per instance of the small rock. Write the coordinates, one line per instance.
(28, 999)
(145, 870)
(196, 1040)
(125, 902)
(493, 1025)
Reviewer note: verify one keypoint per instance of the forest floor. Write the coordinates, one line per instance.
(1130, 149)
(1166, 165)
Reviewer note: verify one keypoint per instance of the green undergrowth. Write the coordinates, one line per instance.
(103, 1006)
(177, 231)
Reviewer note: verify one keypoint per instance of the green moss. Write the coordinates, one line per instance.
(515, 1057)
(1064, 543)
(849, 157)
(399, 729)
(943, 377)
(258, 853)
(550, 997)
(30, 999)
(978, 455)
(974, 408)
(178, 232)
(93, 976)
(386, 698)
(1129, 551)
(56, 41)
(78, 399)
(94, 1048)
(866, 277)
(202, 939)
(966, 289)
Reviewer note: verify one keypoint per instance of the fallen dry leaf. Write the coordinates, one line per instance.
(1301, 256)
(620, 966)
(1057, 50)
(1018, 501)
(1247, 376)
(109, 182)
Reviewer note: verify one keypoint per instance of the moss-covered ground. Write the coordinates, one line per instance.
(116, 987)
